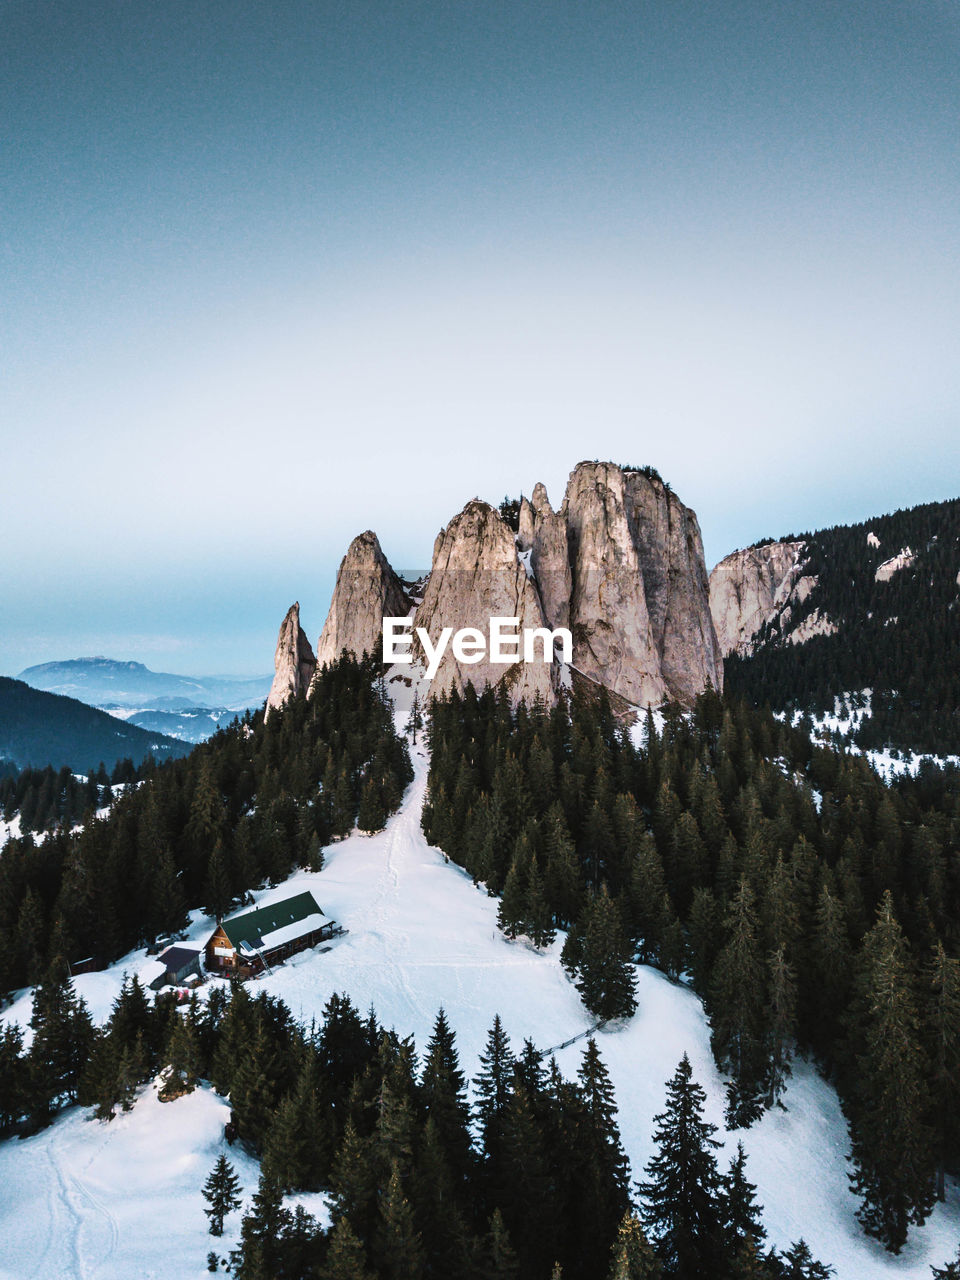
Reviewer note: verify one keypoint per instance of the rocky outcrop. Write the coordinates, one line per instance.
(639, 606)
(367, 591)
(476, 575)
(620, 564)
(813, 624)
(894, 565)
(294, 663)
(750, 588)
(543, 532)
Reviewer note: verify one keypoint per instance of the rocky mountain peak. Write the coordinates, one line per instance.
(294, 661)
(366, 592)
(639, 607)
(620, 564)
(477, 574)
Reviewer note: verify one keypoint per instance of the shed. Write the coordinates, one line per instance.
(171, 967)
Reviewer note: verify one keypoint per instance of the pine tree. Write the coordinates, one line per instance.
(681, 1196)
(501, 1259)
(798, 1263)
(943, 1036)
(493, 1082)
(562, 876)
(737, 1001)
(222, 1193)
(596, 1090)
(62, 1038)
(132, 1069)
(606, 979)
(415, 719)
(13, 1077)
(372, 815)
(539, 917)
(182, 1060)
(258, 1256)
(741, 1213)
(296, 1151)
(217, 896)
(353, 1181)
(31, 932)
(892, 1150)
(511, 914)
(633, 1256)
(443, 1093)
(781, 1021)
(401, 1250)
(346, 1259)
(827, 988)
(601, 1171)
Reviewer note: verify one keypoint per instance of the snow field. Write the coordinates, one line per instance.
(419, 935)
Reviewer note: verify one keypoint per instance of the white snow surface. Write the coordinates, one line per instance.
(849, 712)
(87, 1199)
(115, 1200)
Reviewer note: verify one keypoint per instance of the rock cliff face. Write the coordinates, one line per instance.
(294, 663)
(367, 591)
(751, 587)
(639, 608)
(620, 564)
(476, 575)
(893, 566)
(543, 532)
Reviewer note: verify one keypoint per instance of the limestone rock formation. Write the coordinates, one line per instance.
(620, 564)
(367, 591)
(294, 663)
(477, 574)
(639, 607)
(549, 556)
(892, 566)
(750, 587)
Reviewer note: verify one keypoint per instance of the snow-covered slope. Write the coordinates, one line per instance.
(839, 726)
(420, 935)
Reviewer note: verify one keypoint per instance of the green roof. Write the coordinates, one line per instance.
(250, 928)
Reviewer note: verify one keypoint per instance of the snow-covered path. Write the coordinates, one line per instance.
(87, 1200)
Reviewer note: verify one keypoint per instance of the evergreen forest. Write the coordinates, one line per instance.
(244, 808)
(899, 638)
(813, 908)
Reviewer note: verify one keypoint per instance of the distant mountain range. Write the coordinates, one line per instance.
(39, 728)
(189, 708)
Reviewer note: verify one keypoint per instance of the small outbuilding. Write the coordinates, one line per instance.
(174, 966)
(255, 940)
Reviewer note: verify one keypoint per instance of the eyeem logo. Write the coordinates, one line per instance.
(506, 643)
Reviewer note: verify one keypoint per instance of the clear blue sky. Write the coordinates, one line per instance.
(274, 274)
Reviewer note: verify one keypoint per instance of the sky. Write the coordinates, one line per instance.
(272, 274)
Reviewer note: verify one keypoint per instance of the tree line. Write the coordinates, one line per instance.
(813, 908)
(527, 1179)
(898, 638)
(249, 805)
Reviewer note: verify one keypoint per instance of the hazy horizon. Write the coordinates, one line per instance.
(273, 276)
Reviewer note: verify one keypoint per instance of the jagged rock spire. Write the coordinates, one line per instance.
(367, 591)
(294, 663)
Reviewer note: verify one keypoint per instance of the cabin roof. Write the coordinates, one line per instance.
(256, 930)
(176, 958)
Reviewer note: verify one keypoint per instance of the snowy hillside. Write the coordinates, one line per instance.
(121, 1199)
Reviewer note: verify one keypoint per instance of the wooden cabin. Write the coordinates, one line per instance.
(256, 940)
